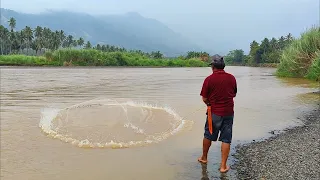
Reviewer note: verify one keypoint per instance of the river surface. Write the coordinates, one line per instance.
(130, 123)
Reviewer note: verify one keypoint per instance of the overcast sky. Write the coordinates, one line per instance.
(232, 22)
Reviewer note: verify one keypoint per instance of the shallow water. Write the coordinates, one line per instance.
(31, 96)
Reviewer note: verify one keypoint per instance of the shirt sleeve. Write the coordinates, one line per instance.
(204, 90)
(235, 86)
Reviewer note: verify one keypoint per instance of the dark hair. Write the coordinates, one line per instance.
(218, 62)
(218, 66)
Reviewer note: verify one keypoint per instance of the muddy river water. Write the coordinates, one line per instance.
(130, 123)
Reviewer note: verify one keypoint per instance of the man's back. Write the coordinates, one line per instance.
(220, 88)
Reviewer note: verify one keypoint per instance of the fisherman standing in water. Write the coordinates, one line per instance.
(217, 93)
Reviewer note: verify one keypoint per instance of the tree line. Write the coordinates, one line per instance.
(42, 39)
(267, 51)
(39, 40)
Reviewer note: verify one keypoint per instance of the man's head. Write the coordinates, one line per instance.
(217, 62)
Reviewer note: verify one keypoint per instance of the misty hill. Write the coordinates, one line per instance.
(131, 30)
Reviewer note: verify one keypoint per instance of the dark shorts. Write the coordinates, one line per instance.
(222, 124)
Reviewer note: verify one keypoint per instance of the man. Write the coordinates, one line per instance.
(217, 93)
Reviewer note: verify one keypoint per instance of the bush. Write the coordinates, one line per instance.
(92, 57)
(22, 60)
(314, 70)
(301, 58)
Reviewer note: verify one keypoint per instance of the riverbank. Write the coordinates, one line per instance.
(91, 57)
(293, 154)
(268, 65)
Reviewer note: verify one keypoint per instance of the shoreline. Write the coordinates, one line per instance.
(97, 67)
(76, 66)
(292, 154)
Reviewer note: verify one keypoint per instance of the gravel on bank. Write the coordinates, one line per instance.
(293, 154)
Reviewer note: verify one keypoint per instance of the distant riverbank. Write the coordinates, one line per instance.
(72, 57)
(270, 65)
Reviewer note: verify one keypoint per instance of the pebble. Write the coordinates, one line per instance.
(293, 154)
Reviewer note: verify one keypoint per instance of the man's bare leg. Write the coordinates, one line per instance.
(206, 146)
(225, 149)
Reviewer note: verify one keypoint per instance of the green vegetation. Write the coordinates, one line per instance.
(302, 57)
(267, 52)
(40, 40)
(42, 46)
(22, 60)
(292, 57)
(93, 57)
(236, 57)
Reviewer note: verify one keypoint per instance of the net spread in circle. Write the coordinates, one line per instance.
(109, 123)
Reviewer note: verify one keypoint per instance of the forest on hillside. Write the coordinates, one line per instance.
(43, 46)
(37, 41)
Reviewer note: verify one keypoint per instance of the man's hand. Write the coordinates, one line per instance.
(206, 101)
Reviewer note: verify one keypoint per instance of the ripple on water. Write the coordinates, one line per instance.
(111, 124)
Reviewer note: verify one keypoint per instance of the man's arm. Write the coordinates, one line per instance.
(204, 92)
(235, 87)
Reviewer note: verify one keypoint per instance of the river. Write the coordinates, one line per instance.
(129, 105)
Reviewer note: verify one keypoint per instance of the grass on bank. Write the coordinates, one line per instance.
(22, 60)
(91, 57)
(302, 57)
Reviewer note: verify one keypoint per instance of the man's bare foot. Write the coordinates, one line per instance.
(200, 159)
(224, 170)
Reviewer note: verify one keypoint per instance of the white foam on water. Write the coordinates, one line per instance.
(135, 128)
(49, 115)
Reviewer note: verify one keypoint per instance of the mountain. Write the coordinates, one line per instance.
(130, 30)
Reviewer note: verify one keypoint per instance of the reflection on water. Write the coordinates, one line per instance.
(205, 176)
(263, 103)
(204, 172)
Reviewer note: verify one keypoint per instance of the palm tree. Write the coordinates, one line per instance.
(69, 41)
(289, 38)
(88, 45)
(81, 42)
(274, 44)
(47, 37)
(98, 47)
(39, 38)
(56, 42)
(15, 41)
(28, 34)
(282, 42)
(12, 23)
(74, 43)
(62, 38)
(22, 39)
(4, 36)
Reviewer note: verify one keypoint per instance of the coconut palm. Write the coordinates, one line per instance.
(28, 34)
(12, 23)
(80, 42)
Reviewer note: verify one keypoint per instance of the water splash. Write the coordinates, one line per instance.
(51, 116)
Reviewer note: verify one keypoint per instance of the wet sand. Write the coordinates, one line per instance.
(292, 154)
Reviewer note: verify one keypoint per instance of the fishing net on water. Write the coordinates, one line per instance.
(110, 123)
